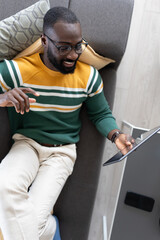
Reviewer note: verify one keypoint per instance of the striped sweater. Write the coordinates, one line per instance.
(54, 118)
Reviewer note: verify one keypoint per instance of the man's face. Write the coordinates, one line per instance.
(60, 64)
(63, 34)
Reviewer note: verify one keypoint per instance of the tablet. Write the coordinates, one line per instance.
(138, 142)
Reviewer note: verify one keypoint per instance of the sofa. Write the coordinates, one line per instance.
(105, 25)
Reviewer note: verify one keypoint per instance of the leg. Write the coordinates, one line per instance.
(17, 171)
(48, 184)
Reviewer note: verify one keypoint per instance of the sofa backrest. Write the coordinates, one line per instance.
(105, 24)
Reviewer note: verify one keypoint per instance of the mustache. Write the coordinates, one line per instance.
(70, 60)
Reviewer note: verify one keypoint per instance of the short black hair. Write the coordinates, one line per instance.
(56, 14)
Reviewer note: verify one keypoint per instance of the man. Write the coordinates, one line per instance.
(47, 90)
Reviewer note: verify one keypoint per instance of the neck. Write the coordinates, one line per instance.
(47, 63)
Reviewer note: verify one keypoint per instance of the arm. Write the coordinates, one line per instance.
(101, 115)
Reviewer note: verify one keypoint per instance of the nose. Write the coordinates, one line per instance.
(72, 55)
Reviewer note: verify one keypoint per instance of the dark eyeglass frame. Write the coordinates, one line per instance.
(70, 47)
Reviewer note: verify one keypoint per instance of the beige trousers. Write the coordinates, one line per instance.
(31, 179)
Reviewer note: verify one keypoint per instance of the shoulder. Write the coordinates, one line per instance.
(85, 67)
(86, 70)
(27, 59)
(89, 76)
(27, 65)
(3, 63)
(5, 66)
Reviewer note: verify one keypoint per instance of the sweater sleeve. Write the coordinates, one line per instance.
(8, 76)
(99, 110)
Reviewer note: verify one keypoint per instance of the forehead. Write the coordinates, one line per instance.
(67, 32)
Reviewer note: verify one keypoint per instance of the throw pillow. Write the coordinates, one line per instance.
(22, 29)
(88, 56)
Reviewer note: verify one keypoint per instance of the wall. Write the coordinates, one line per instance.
(137, 100)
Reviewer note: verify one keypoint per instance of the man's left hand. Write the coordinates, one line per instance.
(124, 143)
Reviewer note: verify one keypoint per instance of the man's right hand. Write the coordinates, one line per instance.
(18, 98)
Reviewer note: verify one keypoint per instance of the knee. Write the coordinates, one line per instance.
(42, 220)
(46, 226)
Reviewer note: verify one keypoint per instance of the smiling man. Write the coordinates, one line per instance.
(44, 93)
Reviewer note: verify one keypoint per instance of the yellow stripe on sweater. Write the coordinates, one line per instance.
(3, 84)
(34, 72)
(47, 107)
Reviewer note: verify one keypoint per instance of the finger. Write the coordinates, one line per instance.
(125, 150)
(21, 104)
(129, 147)
(123, 147)
(19, 99)
(22, 92)
(15, 103)
(23, 100)
(27, 100)
(133, 140)
(129, 140)
(32, 100)
(16, 98)
(22, 97)
(30, 90)
(25, 104)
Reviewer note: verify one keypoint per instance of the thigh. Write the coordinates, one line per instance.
(20, 165)
(50, 180)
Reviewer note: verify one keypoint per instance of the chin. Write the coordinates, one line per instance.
(68, 70)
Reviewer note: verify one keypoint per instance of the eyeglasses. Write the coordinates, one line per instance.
(66, 49)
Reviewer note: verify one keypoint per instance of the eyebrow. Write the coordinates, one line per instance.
(68, 43)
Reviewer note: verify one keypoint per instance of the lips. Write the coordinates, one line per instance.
(68, 63)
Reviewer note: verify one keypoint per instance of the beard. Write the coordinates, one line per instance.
(59, 64)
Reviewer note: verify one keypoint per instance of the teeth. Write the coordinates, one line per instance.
(69, 63)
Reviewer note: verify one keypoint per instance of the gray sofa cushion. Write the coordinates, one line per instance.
(105, 24)
(9, 7)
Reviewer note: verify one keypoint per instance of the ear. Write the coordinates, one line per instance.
(43, 40)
